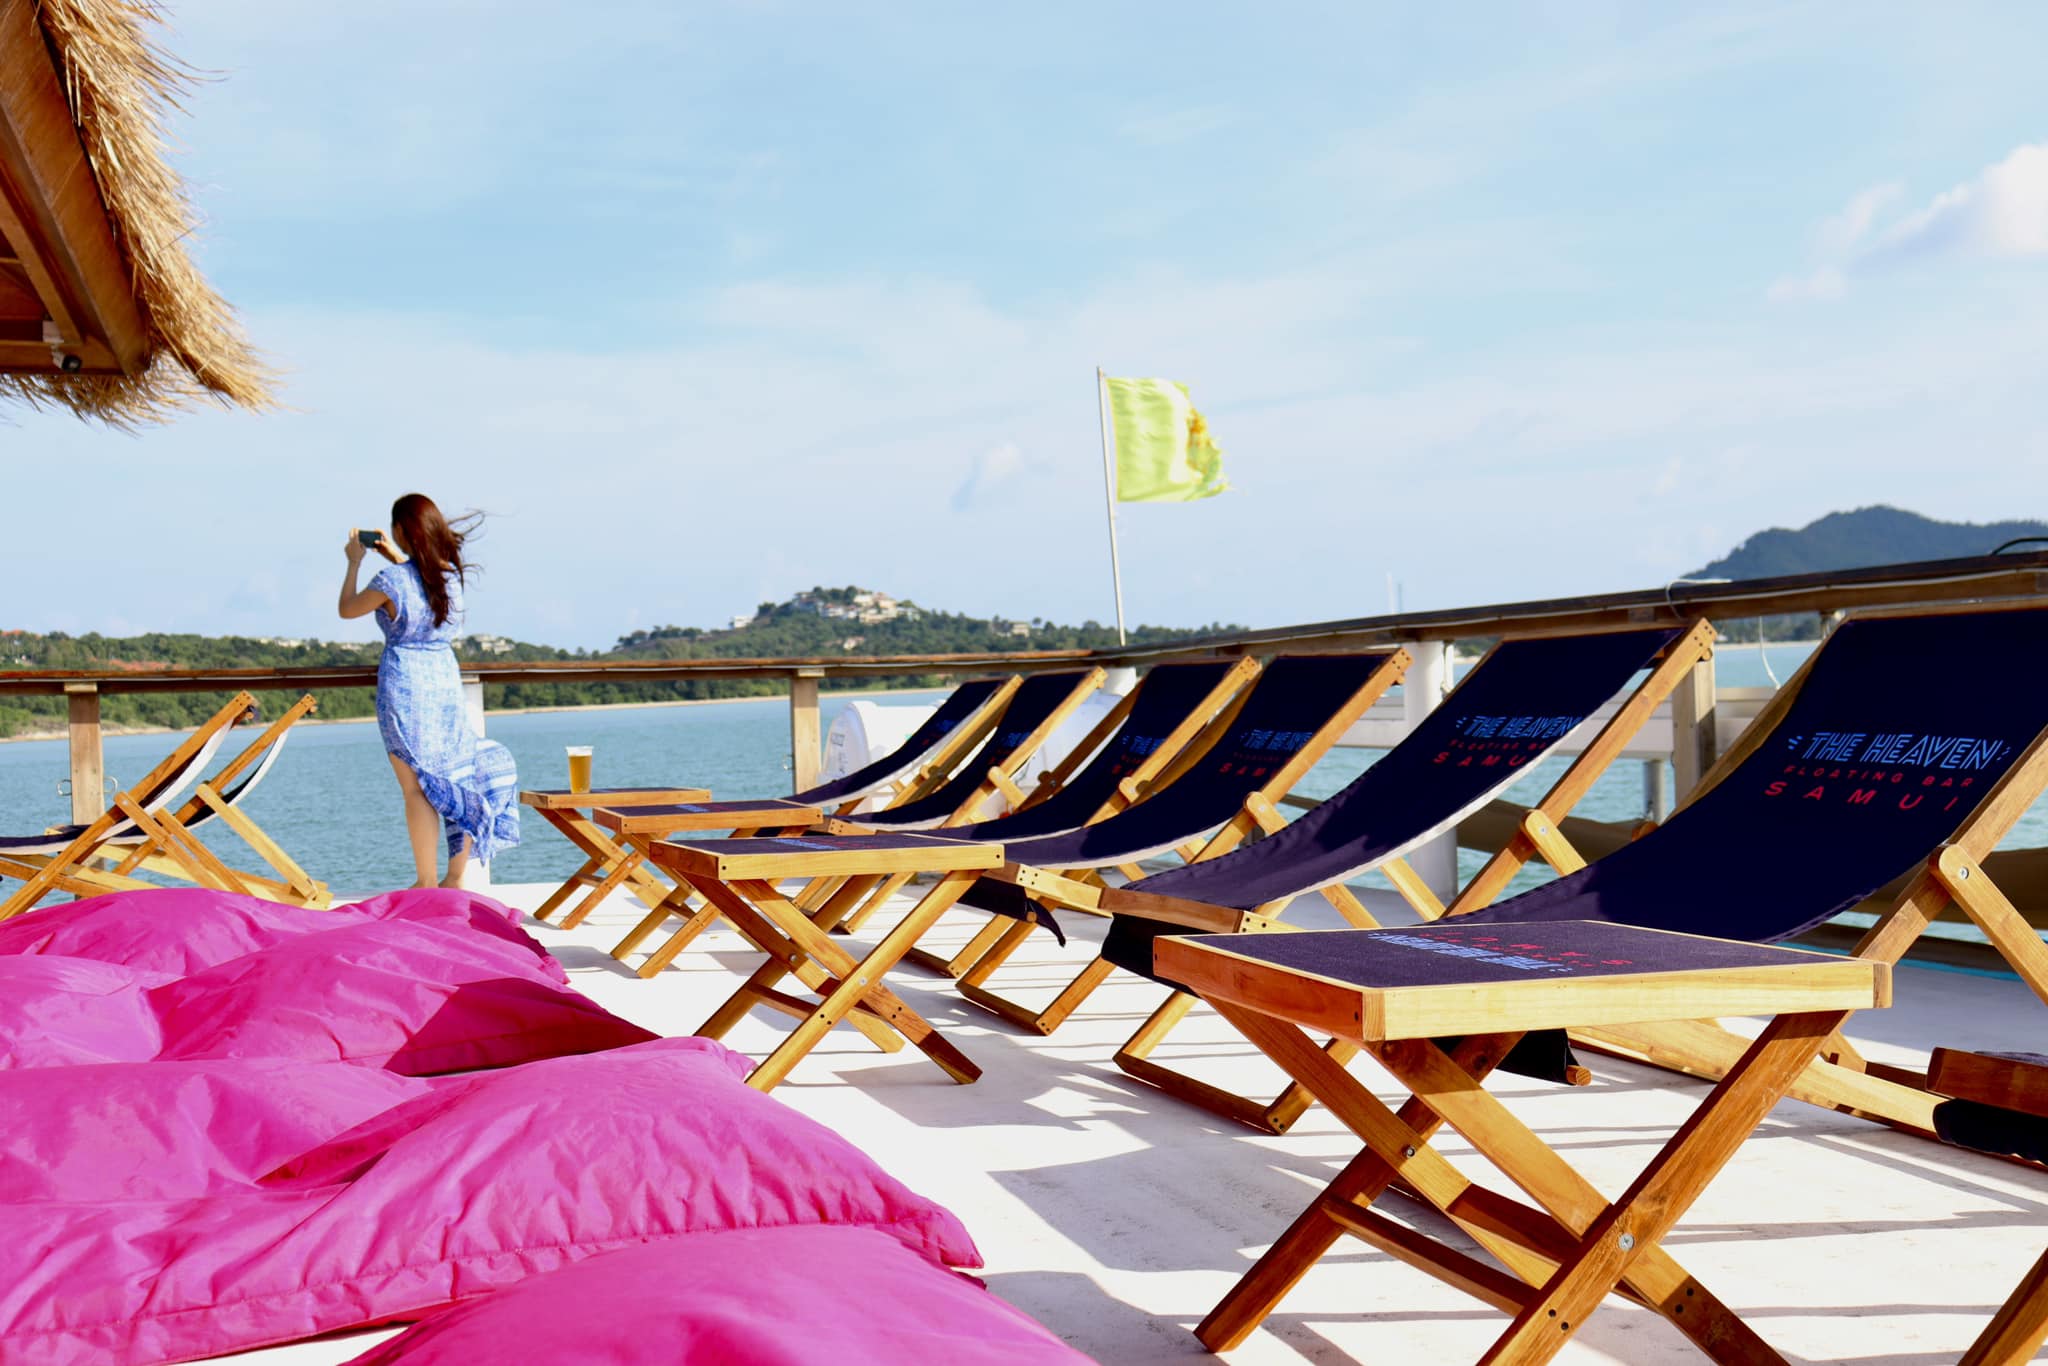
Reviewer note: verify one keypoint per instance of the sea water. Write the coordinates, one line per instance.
(333, 802)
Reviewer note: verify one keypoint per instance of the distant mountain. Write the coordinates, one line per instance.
(1855, 540)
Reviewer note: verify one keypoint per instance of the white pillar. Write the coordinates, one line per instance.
(1119, 680)
(1422, 689)
(478, 873)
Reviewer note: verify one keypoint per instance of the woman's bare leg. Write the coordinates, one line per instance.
(457, 862)
(422, 823)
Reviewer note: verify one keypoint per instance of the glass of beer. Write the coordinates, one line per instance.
(579, 768)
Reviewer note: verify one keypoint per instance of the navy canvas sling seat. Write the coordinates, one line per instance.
(1509, 714)
(1037, 700)
(965, 700)
(221, 798)
(1863, 778)
(1300, 707)
(1293, 699)
(1036, 705)
(153, 798)
(44, 866)
(934, 749)
(1857, 774)
(1164, 700)
(162, 795)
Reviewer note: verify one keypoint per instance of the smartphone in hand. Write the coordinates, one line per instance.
(371, 539)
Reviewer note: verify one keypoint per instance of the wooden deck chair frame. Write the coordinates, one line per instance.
(2019, 1329)
(938, 766)
(628, 851)
(828, 906)
(1049, 782)
(1193, 734)
(1534, 839)
(134, 810)
(1954, 875)
(1077, 888)
(841, 895)
(1566, 1252)
(216, 798)
(739, 879)
(606, 863)
(639, 828)
(570, 814)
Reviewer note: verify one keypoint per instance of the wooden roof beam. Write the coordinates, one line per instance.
(51, 212)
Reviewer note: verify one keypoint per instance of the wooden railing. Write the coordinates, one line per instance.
(1693, 733)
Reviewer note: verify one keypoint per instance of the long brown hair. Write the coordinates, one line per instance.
(435, 544)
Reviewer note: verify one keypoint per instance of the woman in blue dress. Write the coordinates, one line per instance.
(452, 779)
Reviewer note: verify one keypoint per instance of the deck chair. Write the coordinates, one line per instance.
(1558, 1245)
(62, 859)
(1126, 752)
(1854, 775)
(1217, 795)
(930, 753)
(1517, 706)
(219, 798)
(927, 755)
(1998, 1103)
(1039, 705)
(1168, 710)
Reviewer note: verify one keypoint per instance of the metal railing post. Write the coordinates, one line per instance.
(88, 761)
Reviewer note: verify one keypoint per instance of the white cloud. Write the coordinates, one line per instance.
(1843, 232)
(2000, 212)
(2003, 211)
(825, 441)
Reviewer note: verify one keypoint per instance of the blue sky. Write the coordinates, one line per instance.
(708, 303)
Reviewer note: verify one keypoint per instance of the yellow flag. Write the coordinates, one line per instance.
(1163, 450)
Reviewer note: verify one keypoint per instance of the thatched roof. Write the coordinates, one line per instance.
(101, 309)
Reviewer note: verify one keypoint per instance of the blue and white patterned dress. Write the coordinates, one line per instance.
(425, 722)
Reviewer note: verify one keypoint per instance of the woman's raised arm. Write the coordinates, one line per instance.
(357, 602)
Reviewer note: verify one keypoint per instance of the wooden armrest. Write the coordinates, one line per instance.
(2010, 1081)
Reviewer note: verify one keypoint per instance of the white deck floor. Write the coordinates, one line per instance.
(1118, 1216)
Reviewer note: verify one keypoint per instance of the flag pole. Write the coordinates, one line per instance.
(1116, 573)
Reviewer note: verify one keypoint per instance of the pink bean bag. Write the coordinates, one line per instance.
(768, 1297)
(413, 993)
(413, 997)
(478, 1183)
(180, 930)
(163, 1130)
(60, 1011)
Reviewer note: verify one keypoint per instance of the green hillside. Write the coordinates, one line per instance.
(799, 627)
(1856, 540)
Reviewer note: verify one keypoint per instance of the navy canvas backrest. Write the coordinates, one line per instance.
(1294, 698)
(1164, 699)
(950, 715)
(1902, 726)
(1508, 713)
(1037, 698)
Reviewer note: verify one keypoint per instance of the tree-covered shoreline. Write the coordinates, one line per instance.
(779, 630)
